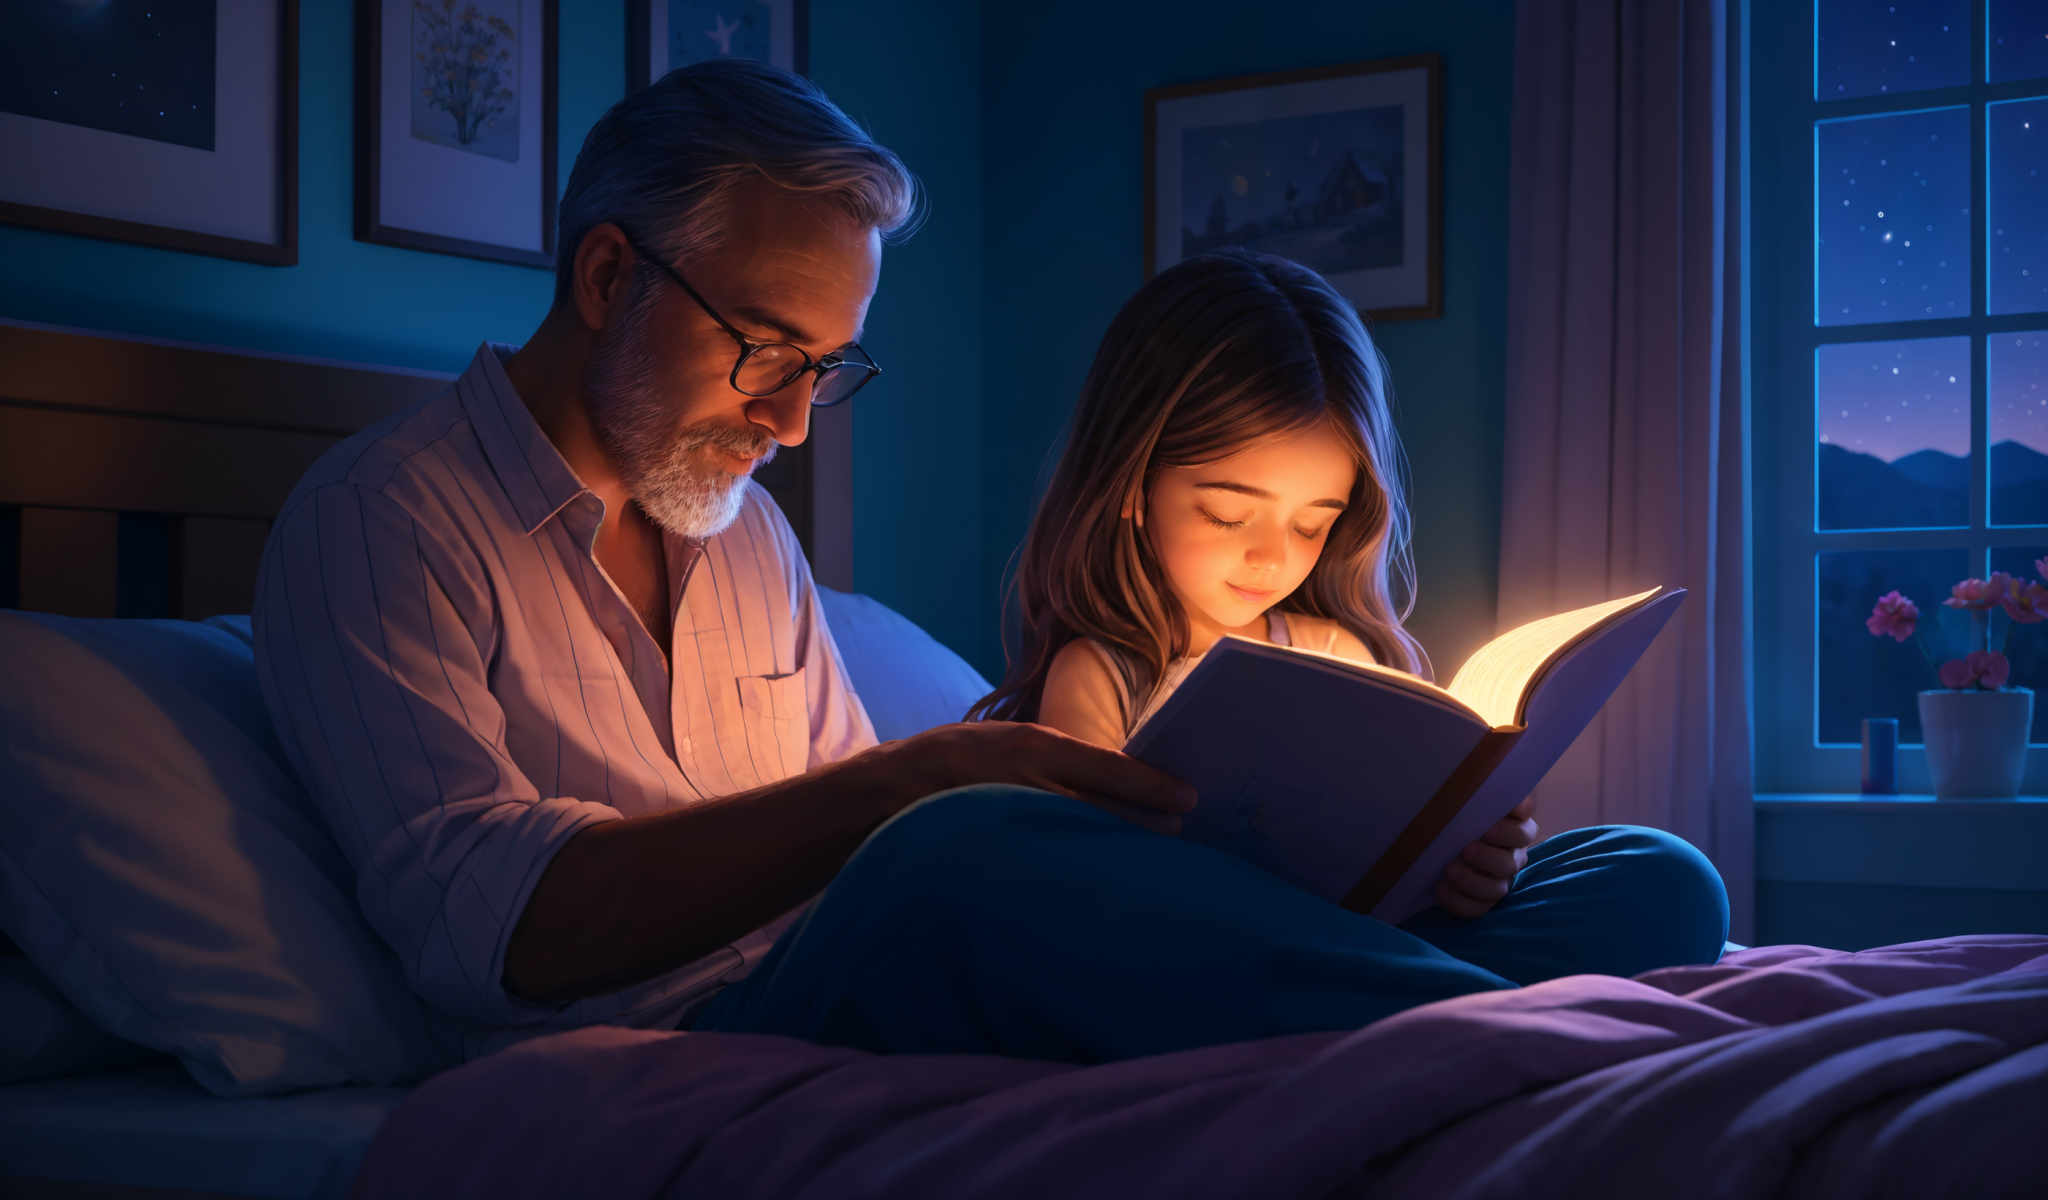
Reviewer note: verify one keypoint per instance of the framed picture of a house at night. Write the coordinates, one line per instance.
(173, 126)
(1338, 168)
(662, 35)
(455, 127)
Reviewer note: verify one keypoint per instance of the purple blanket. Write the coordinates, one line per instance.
(1918, 1070)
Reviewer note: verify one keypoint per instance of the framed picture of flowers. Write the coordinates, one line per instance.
(455, 127)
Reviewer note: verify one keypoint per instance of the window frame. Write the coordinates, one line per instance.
(1784, 336)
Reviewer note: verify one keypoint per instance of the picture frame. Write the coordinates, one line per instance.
(450, 158)
(1339, 168)
(775, 31)
(171, 164)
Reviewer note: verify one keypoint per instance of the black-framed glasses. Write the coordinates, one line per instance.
(765, 368)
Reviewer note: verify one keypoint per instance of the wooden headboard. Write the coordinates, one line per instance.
(138, 478)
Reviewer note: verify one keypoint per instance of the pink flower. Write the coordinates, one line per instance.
(2041, 565)
(1990, 668)
(2028, 604)
(1986, 668)
(1978, 594)
(1894, 615)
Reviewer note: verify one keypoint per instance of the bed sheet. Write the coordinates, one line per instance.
(1906, 1071)
(152, 1127)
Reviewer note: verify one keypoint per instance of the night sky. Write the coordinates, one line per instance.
(1868, 49)
(2018, 387)
(139, 67)
(2016, 143)
(1892, 398)
(2018, 47)
(1893, 200)
(1892, 222)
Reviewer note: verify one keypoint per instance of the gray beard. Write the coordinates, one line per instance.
(659, 462)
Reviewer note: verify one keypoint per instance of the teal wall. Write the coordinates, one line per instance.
(1025, 124)
(1063, 209)
(345, 299)
(916, 430)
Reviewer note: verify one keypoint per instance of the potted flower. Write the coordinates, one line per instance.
(1974, 725)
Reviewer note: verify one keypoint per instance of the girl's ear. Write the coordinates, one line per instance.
(1134, 508)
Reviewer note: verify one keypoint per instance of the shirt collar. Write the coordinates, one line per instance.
(535, 476)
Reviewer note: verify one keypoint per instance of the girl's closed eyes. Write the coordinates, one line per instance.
(1231, 469)
(1229, 535)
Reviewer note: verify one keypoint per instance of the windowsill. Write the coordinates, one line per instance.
(1888, 802)
(1909, 839)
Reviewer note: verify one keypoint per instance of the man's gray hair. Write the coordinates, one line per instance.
(663, 160)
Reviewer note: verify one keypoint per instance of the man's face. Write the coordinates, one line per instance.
(658, 383)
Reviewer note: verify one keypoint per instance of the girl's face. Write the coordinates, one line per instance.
(1237, 535)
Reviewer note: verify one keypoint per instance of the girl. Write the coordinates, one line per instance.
(1232, 469)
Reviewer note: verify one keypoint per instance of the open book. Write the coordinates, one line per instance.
(1360, 783)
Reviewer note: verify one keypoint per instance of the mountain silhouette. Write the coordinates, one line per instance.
(1927, 488)
(1932, 468)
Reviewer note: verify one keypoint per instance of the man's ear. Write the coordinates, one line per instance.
(602, 274)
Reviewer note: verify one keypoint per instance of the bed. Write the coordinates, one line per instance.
(192, 1007)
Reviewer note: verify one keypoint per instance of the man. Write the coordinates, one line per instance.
(555, 673)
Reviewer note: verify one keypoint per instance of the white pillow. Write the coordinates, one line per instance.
(907, 680)
(159, 864)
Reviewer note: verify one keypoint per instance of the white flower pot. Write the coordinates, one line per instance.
(1976, 740)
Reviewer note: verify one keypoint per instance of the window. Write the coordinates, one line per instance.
(1899, 281)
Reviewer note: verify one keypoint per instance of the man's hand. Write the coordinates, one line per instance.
(1033, 756)
(1476, 880)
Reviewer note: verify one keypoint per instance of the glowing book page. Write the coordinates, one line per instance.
(1304, 764)
(1497, 676)
(1566, 696)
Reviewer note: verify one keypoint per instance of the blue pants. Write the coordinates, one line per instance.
(1003, 920)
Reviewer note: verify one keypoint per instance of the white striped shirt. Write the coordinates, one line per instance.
(462, 688)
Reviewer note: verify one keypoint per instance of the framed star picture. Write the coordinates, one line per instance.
(1337, 168)
(662, 35)
(165, 125)
(455, 127)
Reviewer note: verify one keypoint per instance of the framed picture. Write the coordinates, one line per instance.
(1338, 168)
(455, 127)
(140, 124)
(662, 35)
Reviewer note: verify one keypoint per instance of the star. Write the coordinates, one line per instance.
(721, 31)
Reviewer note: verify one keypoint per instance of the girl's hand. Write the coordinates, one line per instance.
(1476, 880)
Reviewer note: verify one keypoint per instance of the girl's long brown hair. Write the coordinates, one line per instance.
(1212, 354)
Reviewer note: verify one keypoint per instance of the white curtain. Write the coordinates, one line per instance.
(1626, 431)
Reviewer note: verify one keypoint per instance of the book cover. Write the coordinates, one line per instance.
(1360, 783)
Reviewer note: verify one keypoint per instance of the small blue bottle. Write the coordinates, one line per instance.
(1880, 748)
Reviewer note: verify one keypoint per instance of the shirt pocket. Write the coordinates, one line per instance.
(778, 707)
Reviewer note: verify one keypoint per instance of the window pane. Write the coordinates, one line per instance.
(1893, 226)
(1893, 419)
(1866, 48)
(2019, 47)
(2017, 144)
(1864, 676)
(2026, 646)
(2016, 384)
